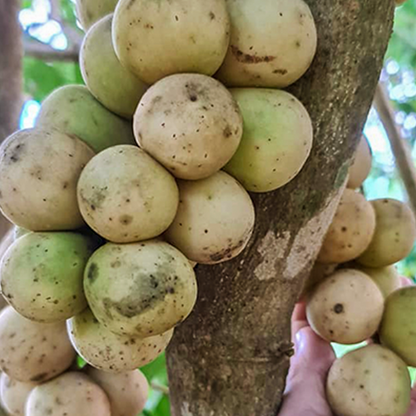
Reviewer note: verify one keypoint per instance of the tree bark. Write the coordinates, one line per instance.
(10, 74)
(231, 356)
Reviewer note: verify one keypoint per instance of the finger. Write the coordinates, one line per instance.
(299, 320)
(305, 390)
(412, 409)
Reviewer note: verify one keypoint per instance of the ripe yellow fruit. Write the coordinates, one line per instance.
(215, 219)
(190, 123)
(154, 40)
(272, 43)
(351, 230)
(361, 166)
(346, 307)
(394, 235)
(370, 381)
(125, 196)
(39, 171)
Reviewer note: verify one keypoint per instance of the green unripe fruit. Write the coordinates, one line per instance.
(89, 11)
(387, 278)
(394, 235)
(370, 381)
(73, 110)
(142, 289)
(398, 327)
(109, 82)
(111, 352)
(277, 139)
(42, 275)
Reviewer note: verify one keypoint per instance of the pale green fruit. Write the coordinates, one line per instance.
(126, 196)
(394, 236)
(108, 81)
(387, 278)
(42, 275)
(272, 43)
(39, 171)
(13, 394)
(72, 394)
(277, 139)
(89, 11)
(215, 219)
(370, 381)
(110, 352)
(141, 289)
(361, 165)
(190, 123)
(397, 330)
(72, 109)
(351, 230)
(182, 36)
(127, 391)
(31, 351)
(346, 307)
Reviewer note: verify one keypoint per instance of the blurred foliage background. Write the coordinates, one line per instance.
(51, 34)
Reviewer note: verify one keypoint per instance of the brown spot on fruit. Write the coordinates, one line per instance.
(250, 59)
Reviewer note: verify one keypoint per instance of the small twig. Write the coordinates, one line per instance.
(45, 52)
(399, 146)
(160, 388)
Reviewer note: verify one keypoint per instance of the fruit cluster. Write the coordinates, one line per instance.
(355, 294)
(128, 182)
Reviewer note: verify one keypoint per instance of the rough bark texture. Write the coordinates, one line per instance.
(232, 354)
(11, 52)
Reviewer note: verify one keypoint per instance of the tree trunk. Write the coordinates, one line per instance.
(11, 52)
(231, 356)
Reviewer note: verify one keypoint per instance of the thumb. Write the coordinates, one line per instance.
(305, 390)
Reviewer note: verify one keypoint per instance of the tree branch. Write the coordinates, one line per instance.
(399, 146)
(45, 52)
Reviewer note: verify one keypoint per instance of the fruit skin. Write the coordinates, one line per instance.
(42, 275)
(102, 348)
(272, 43)
(141, 289)
(19, 232)
(70, 394)
(127, 392)
(39, 171)
(351, 230)
(361, 166)
(182, 36)
(397, 330)
(215, 219)
(72, 109)
(126, 196)
(346, 307)
(31, 351)
(13, 394)
(370, 381)
(394, 236)
(190, 123)
(277, 139)
(108, 81)
(90, 11)
(319, 272)
(387, 278)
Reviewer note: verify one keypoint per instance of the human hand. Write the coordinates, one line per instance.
(305, 388)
